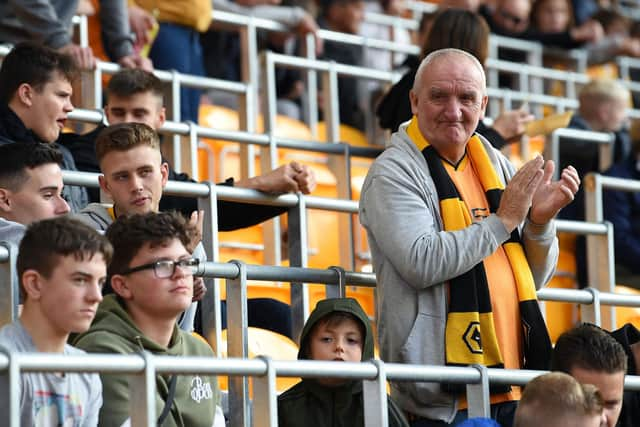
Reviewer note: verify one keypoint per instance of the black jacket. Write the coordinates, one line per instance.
(12, 129)
(630, 414)
(231, 215)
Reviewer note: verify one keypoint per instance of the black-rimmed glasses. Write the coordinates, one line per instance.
(167, 268)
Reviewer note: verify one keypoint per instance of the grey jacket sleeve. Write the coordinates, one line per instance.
(40, 20)
(404, 227)
(116, 33)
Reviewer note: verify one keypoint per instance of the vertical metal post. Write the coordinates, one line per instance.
(265, 408)
(269, 157)
(478, 396)
(190, 150)
(605, 154)
(8, 277)
(237, 345)
(176, 116)
(340, 165)
(493, 79)
(339, 291)
(97, 87)
(593, 198)
(374, 395)
(250, 76)
(591, 312)
(600, 248)
(311, 77)
(210, 304)
(11, 381)
(143, 394)
(298, 258)
(331, 106)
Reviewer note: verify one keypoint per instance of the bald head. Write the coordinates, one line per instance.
(448, 99)
(448, 54)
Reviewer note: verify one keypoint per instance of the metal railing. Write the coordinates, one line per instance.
(142, 370)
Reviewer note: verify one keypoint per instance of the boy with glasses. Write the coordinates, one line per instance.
(152, 277)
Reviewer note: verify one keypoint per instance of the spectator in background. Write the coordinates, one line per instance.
(511, 18)
(623, 210)
(30, 190)
(470, 5)
(48, 22)
(378, 59)
(176, 45)
(603, 108)
(345, 16)
(217, 43)
(555, 16)
(452, 28)
(629, 338)
(337, 330)
(136, 96)
(35, 98)
(62, 265)
(558, 400)
(592, 356)
(152, 275)
(30, 187)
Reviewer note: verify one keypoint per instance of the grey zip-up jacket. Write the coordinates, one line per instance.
(49, 22)
(413, 258)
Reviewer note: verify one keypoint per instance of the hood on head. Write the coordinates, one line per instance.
(331, 305)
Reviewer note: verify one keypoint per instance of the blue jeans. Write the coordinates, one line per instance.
(503, 413)
(178, 48)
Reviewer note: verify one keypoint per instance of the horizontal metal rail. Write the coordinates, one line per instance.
(260, 139)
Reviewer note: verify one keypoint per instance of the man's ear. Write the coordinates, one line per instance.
(483, 106)
(413, 98)
(5, 200)
(32, 284)
(104, 185)
(162, 117)
(120, 286)
(25, 94)
(164, 172)
(105, 112)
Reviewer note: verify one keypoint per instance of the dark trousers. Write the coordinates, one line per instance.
(178, 48)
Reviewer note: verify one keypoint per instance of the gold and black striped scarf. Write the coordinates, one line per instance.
(470, 333)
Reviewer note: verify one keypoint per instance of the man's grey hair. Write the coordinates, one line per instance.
(442, 53)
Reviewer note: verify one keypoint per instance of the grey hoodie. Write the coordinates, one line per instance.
(414, 258)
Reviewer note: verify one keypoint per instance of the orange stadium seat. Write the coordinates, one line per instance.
(627, 314)
(265, 343)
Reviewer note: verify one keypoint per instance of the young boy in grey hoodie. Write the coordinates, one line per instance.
(338, 329)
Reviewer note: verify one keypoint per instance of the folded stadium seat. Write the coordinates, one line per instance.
(627, 314)
(267, 343)
(562, 316)
(536, 146)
